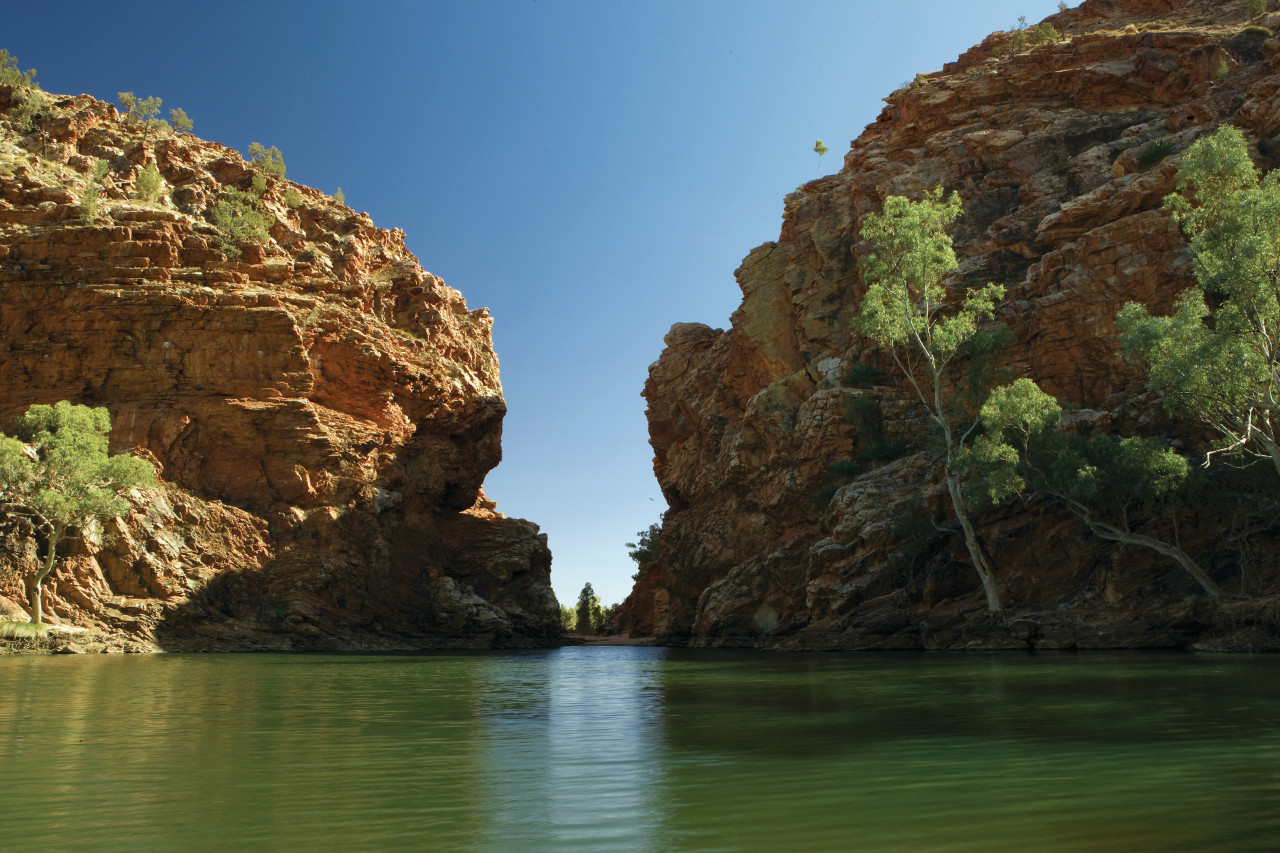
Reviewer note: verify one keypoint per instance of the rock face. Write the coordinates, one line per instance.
(1044, 149)
(323, 412)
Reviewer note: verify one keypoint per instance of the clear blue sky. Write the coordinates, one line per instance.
(592, 171)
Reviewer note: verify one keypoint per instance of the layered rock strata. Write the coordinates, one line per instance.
(322, 411)
(1061, 207)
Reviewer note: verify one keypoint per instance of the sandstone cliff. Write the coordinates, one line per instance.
(1043, 147)
(322, 410)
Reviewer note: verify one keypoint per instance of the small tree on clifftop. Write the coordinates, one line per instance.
(903, 311)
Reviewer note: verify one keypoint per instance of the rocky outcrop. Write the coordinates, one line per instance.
(322, 410)
(1045, 150)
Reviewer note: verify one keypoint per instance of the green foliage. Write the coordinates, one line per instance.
(267, 160)
(181, 122)
(820, 149)
(338, 197)
(28, 104)
(1224, 70)
(59, 474)
(92, 192)
(1042, 34)
(1062, 5)
(568, 618)
(1220, 365)
(240, 217)
(1104, 479)
(1260, 32)
(149, 182)
(880, 451)
(843, 470)
(1257, 8)
(905, 311)
(1018, 39)
(1153, 152)
(292, 197)
(862, 414)
(588, 615)
(11, 75)
(863, 375)
(647, 546)
(142, 111)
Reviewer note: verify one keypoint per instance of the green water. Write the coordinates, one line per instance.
(640, 749)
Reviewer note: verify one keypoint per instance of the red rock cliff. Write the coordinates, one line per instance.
(1043, 149)
(322, 410)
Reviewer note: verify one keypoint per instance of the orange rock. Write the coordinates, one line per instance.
(323, 410)
(1043, 148)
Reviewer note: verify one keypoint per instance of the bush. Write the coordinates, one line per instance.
(1042, 34)
(292, 197)
(824, 494)
(863, 375)
(339, 198)
(268, 160)
(881, 451)
(843, 470)
(142, 111)
(92, 192)
(1261, 32)
(149, 182)
(1153, 152)
(1257, 8)
(29, 104)
(239, 216)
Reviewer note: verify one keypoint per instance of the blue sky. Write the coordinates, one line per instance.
(591, 171)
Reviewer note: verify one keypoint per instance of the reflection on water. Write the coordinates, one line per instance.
(636, 749)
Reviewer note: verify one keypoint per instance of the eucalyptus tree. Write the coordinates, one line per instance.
(58, 475)
(1216, 360)
(1108, 482)
(906, 311)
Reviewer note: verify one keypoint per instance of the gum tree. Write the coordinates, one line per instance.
(905, 311)
(58, 475)
(1107, 482)
(1217, 359)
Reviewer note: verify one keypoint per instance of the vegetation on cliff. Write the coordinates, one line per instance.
(58, 477)
(903, 310)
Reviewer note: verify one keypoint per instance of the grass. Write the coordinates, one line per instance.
(1153, 152)
(23, 631)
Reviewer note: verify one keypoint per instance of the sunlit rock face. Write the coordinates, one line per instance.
(1044, 149)
(322, 410)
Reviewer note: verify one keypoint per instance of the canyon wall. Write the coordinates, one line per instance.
(322, 411)
(1044, 149)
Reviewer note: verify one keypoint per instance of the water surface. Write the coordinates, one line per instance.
(640, 749)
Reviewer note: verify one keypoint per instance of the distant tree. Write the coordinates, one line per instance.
(28, 104)
(646, 548)
(1018, 41)
(267, 160)
(58, 475)
(1044, 33)
(567, 617)
(905, 311)
(1103, 480)
(181, 122)
(1062, 5)
(1217, 359)
(142, 111)
(587, 610)
(339, 198)
(11, 75)
(149, 181)
(820, 149)
(240, 216)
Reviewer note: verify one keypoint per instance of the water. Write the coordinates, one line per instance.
(640, 749)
